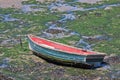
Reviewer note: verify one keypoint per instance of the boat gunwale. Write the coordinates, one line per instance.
(96, 53)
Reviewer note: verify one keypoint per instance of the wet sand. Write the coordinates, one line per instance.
(89, 1)
(11, 3)
(42, 1)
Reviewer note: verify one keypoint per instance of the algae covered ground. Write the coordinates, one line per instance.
(99, 22)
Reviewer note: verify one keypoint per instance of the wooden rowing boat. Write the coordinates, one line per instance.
(63, 53)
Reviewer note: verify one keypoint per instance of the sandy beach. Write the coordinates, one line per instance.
(11, 3)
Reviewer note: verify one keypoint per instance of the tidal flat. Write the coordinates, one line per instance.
(93, 26)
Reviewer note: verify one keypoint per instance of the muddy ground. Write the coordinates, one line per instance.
(33, 67)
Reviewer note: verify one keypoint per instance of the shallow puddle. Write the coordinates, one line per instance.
(60, 7)
(8, 18)
(4, 63)
(66, 17)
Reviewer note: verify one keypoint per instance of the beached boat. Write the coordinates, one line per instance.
(62, 53)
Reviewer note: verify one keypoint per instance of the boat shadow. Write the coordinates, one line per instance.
(75, 65)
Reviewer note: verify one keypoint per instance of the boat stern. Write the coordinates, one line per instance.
(95, 60)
